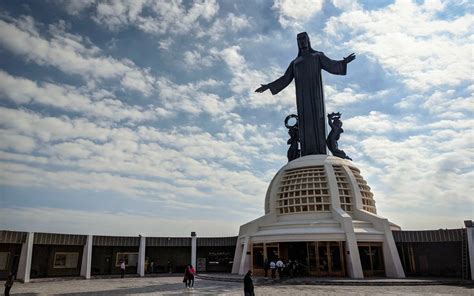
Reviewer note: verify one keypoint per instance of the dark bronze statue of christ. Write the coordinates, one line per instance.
(306, 70)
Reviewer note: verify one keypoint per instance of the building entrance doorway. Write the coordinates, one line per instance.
(371, 259)
(294, 251)
(295, 257)
(313, 258)
(326, 259)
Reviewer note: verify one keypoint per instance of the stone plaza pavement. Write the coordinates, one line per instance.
(172, 285)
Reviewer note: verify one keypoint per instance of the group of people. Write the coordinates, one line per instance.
(188, 279)
(291, 268)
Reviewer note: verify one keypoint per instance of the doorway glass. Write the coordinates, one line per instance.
(323, 257)
(313, 258)
(371, 258)
(335, 253)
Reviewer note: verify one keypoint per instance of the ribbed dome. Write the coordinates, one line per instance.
(308, 185)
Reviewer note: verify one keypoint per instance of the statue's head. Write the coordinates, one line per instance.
(304, 45)
(303, 41)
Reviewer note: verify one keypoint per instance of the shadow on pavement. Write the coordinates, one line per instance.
(166, 289)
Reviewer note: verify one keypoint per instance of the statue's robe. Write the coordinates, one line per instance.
(306, 70)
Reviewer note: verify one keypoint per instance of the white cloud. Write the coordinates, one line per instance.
(223, 26)
(345, 4)
(336, 98)
(25, 158)
(294, 13)
(158, 17)
(118, 13)
(50, 128)
(409, 40)
(441, 102)
(24, 91)
(424, 168)
(193, 59)
(143, 162)
(379, 123)
(68, 53)
(76, 7)
(165, 44)
(133, 187)
(193, 98)
(245, 80)
(446, 104)
(16, 142)
(417, 167)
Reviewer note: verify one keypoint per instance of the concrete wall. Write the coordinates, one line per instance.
(14, 251)
(42, 264)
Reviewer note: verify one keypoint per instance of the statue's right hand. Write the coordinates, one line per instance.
(262, 88)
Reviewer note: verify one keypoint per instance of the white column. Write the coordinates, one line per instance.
(352, 257)
(193, 248)
(24, 266)
(333, 189)
(237, 257)
(393, 265)
(141, 256)
(470, 245)
(245, 259)
(357, 198)
(87, 258)
(354, 266)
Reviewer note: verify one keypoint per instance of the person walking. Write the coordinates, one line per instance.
(273, 268)
(123, 266)
(185, 278)
(191, 272)
(188, 278)
(248, 284)
(9, 284)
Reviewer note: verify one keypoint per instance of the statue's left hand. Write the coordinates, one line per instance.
(349, 58)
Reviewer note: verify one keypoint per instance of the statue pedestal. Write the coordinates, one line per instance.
(320, 212)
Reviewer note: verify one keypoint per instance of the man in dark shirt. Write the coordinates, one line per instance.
(9, 284)
(248, 284)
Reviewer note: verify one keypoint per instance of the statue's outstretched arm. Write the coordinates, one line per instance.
(334, 66)
(279, 84)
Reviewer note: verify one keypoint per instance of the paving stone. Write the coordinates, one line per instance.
(172, 285)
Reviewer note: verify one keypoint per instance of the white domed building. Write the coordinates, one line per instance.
(320, 212)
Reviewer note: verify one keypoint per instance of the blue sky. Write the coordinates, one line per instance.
(129, 117)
